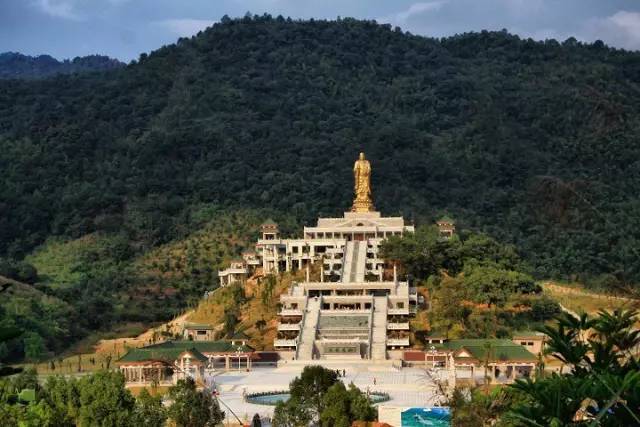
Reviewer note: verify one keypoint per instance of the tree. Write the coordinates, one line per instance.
(493, 285)
(343, 406)
(7, 334)
(104, 400)
(317, 395)
(291, 414)
(256, 421)
(268, 286)
(33, 346)
(309, 388)
(193, 408)
(230, 321)
(260, 324)
(604, 379)
(336, 411)
(149, 411)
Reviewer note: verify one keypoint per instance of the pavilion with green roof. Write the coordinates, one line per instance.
(466, 358)
(170, 361)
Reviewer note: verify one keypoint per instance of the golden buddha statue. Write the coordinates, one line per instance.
(362, 185)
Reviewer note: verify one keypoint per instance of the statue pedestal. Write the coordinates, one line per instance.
(362, 206)
(361, 215)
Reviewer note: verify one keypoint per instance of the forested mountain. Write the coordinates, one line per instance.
(17, 66)
(534, 143)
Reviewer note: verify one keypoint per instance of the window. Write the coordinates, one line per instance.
(201, 332)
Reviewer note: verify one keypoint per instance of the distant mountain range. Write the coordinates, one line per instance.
(15, 65)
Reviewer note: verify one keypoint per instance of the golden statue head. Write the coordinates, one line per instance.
(361, 156)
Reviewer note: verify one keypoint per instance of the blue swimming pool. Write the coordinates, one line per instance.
(272, 398)
(269, 398)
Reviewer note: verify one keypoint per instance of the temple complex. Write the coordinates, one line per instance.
(358, 309)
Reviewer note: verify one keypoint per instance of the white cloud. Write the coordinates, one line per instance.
(414, 10)
(185, 27)
(622, 29)
(59, 9)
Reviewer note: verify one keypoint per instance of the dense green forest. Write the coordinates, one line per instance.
(533, 143)
(478, 287)
(14, 65)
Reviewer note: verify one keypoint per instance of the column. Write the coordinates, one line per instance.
(265, 269)
(226, 362)
(308, 272)
(395, 273)
(322, 272)
(513, 373)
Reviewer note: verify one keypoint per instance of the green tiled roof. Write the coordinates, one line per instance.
(198, 326)
(239, 336)
(446, 219)
(528, 334)
(170, 350)
(167, 355)
(499, 350)
(436, 333)
(203, 346)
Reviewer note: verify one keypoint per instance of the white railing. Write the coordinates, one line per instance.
(396, 342)
(289, 326)
(290, 312)
(284, 343)
(399, 311)
(401, 326)
(346, 310)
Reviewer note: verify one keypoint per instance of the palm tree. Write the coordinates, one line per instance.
(603, 386)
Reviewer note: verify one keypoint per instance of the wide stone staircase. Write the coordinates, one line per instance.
(348, 264)
(379, 333)
(361, 261)
(308, 334)
(355, 259)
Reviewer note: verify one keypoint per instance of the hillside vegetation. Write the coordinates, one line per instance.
(108, 178)
(534, 142)
(17, 66)
(98, 284)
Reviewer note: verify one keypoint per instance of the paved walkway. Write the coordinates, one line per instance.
(406, 387)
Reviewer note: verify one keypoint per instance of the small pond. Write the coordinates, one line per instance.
(272, 398)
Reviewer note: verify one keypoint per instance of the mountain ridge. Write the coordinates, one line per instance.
(15, 65)
(534, 143)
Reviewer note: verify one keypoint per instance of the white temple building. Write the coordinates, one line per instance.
(354, 311)
(358, 309)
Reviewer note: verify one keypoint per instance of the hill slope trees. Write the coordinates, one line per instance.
(17, 66)
(533, 143)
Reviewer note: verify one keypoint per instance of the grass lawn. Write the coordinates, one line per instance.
(580, 300)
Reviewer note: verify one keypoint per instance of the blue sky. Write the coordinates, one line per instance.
(125, 28)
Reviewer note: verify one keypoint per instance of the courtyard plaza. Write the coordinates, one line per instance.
(406, 387)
